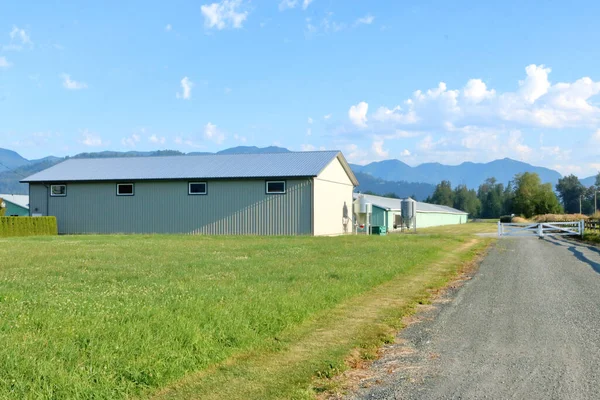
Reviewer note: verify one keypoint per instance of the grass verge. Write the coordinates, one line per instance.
(110, 317)
(591, 237)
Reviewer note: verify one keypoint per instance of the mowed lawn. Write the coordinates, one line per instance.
(110, 317)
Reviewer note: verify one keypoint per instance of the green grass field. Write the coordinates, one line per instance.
(110, 317)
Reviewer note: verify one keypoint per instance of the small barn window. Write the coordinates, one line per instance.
(125, 189)
(275, 187)
(197, 188)
(58, 190)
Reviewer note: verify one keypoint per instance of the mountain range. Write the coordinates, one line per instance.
(381, 177)
(467, 173)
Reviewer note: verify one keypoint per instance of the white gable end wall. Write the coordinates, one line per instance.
(332, 189)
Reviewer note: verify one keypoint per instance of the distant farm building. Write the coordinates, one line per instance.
(16, 204)
(297, 193)
(386, 211)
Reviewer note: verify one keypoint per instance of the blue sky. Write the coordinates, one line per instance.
(420, 81)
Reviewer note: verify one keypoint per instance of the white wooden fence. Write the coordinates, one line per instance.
(541, 229)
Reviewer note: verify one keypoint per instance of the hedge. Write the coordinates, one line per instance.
(27, 226)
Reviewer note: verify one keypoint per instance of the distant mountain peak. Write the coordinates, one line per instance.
(254, 150)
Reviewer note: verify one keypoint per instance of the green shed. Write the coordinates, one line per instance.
(386, 212)
(16, 204)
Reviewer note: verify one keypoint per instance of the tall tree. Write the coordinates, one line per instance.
(443, 194)
(571, 192)
(466, 200)
(531, 197)
(491, 197)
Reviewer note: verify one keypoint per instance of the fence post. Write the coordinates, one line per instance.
(541, 230)
(581, 227)
(499, 229)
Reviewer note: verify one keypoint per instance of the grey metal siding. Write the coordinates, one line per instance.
(37, 199)
(234, 207)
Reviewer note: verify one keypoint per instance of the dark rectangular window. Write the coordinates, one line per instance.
(275, 187)
(124, 189)
(197, 188)
(58, 190)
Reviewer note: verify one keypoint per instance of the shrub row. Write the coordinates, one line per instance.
(27, 226)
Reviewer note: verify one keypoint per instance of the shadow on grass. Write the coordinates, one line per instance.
(573, 247)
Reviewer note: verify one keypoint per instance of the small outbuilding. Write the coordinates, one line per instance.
(295, 193)
(16, 204)
(387, 212)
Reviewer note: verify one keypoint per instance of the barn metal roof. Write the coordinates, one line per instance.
(388, 203)
(211, 166)
(18, 199)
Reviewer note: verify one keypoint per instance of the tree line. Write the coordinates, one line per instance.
(524, 195)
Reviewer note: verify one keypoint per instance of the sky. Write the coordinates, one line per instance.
(420, 81)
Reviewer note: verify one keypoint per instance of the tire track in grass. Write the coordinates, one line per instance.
(318, 351)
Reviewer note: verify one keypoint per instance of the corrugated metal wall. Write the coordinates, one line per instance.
(37, 199)
(425, 220)
(230, 207)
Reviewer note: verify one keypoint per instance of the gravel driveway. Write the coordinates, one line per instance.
(527, 326)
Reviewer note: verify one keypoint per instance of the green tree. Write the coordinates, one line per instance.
(531, 197)
(466, 200)
(443, 194)
(571, 192)
(391, 195)
(508, 199)
(491, 196)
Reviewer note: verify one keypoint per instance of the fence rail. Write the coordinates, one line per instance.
(541, 229)
(593, 225)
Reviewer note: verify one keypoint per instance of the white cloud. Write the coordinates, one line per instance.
(157, 140)
(168, 28)
(366, 20)
(377, 148)
(326, 117)
(596, 136)
(325, 26)
(476, 91)
(595, 167)
(536, 103)
(186, 89)
(4, 63)
(90, 139)
(213, 134)
(287, 4)
(358, 114)
(308, 132)
(18, 34)
(307, 147)
(396, 114)
(239, 138)
(405, 153)
(178, 140)
(290, 4)
(131, 141)
(536, 84)
(71, 84)
(310, 120)
(226, 14)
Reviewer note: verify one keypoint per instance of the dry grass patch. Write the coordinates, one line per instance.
(559, 218)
